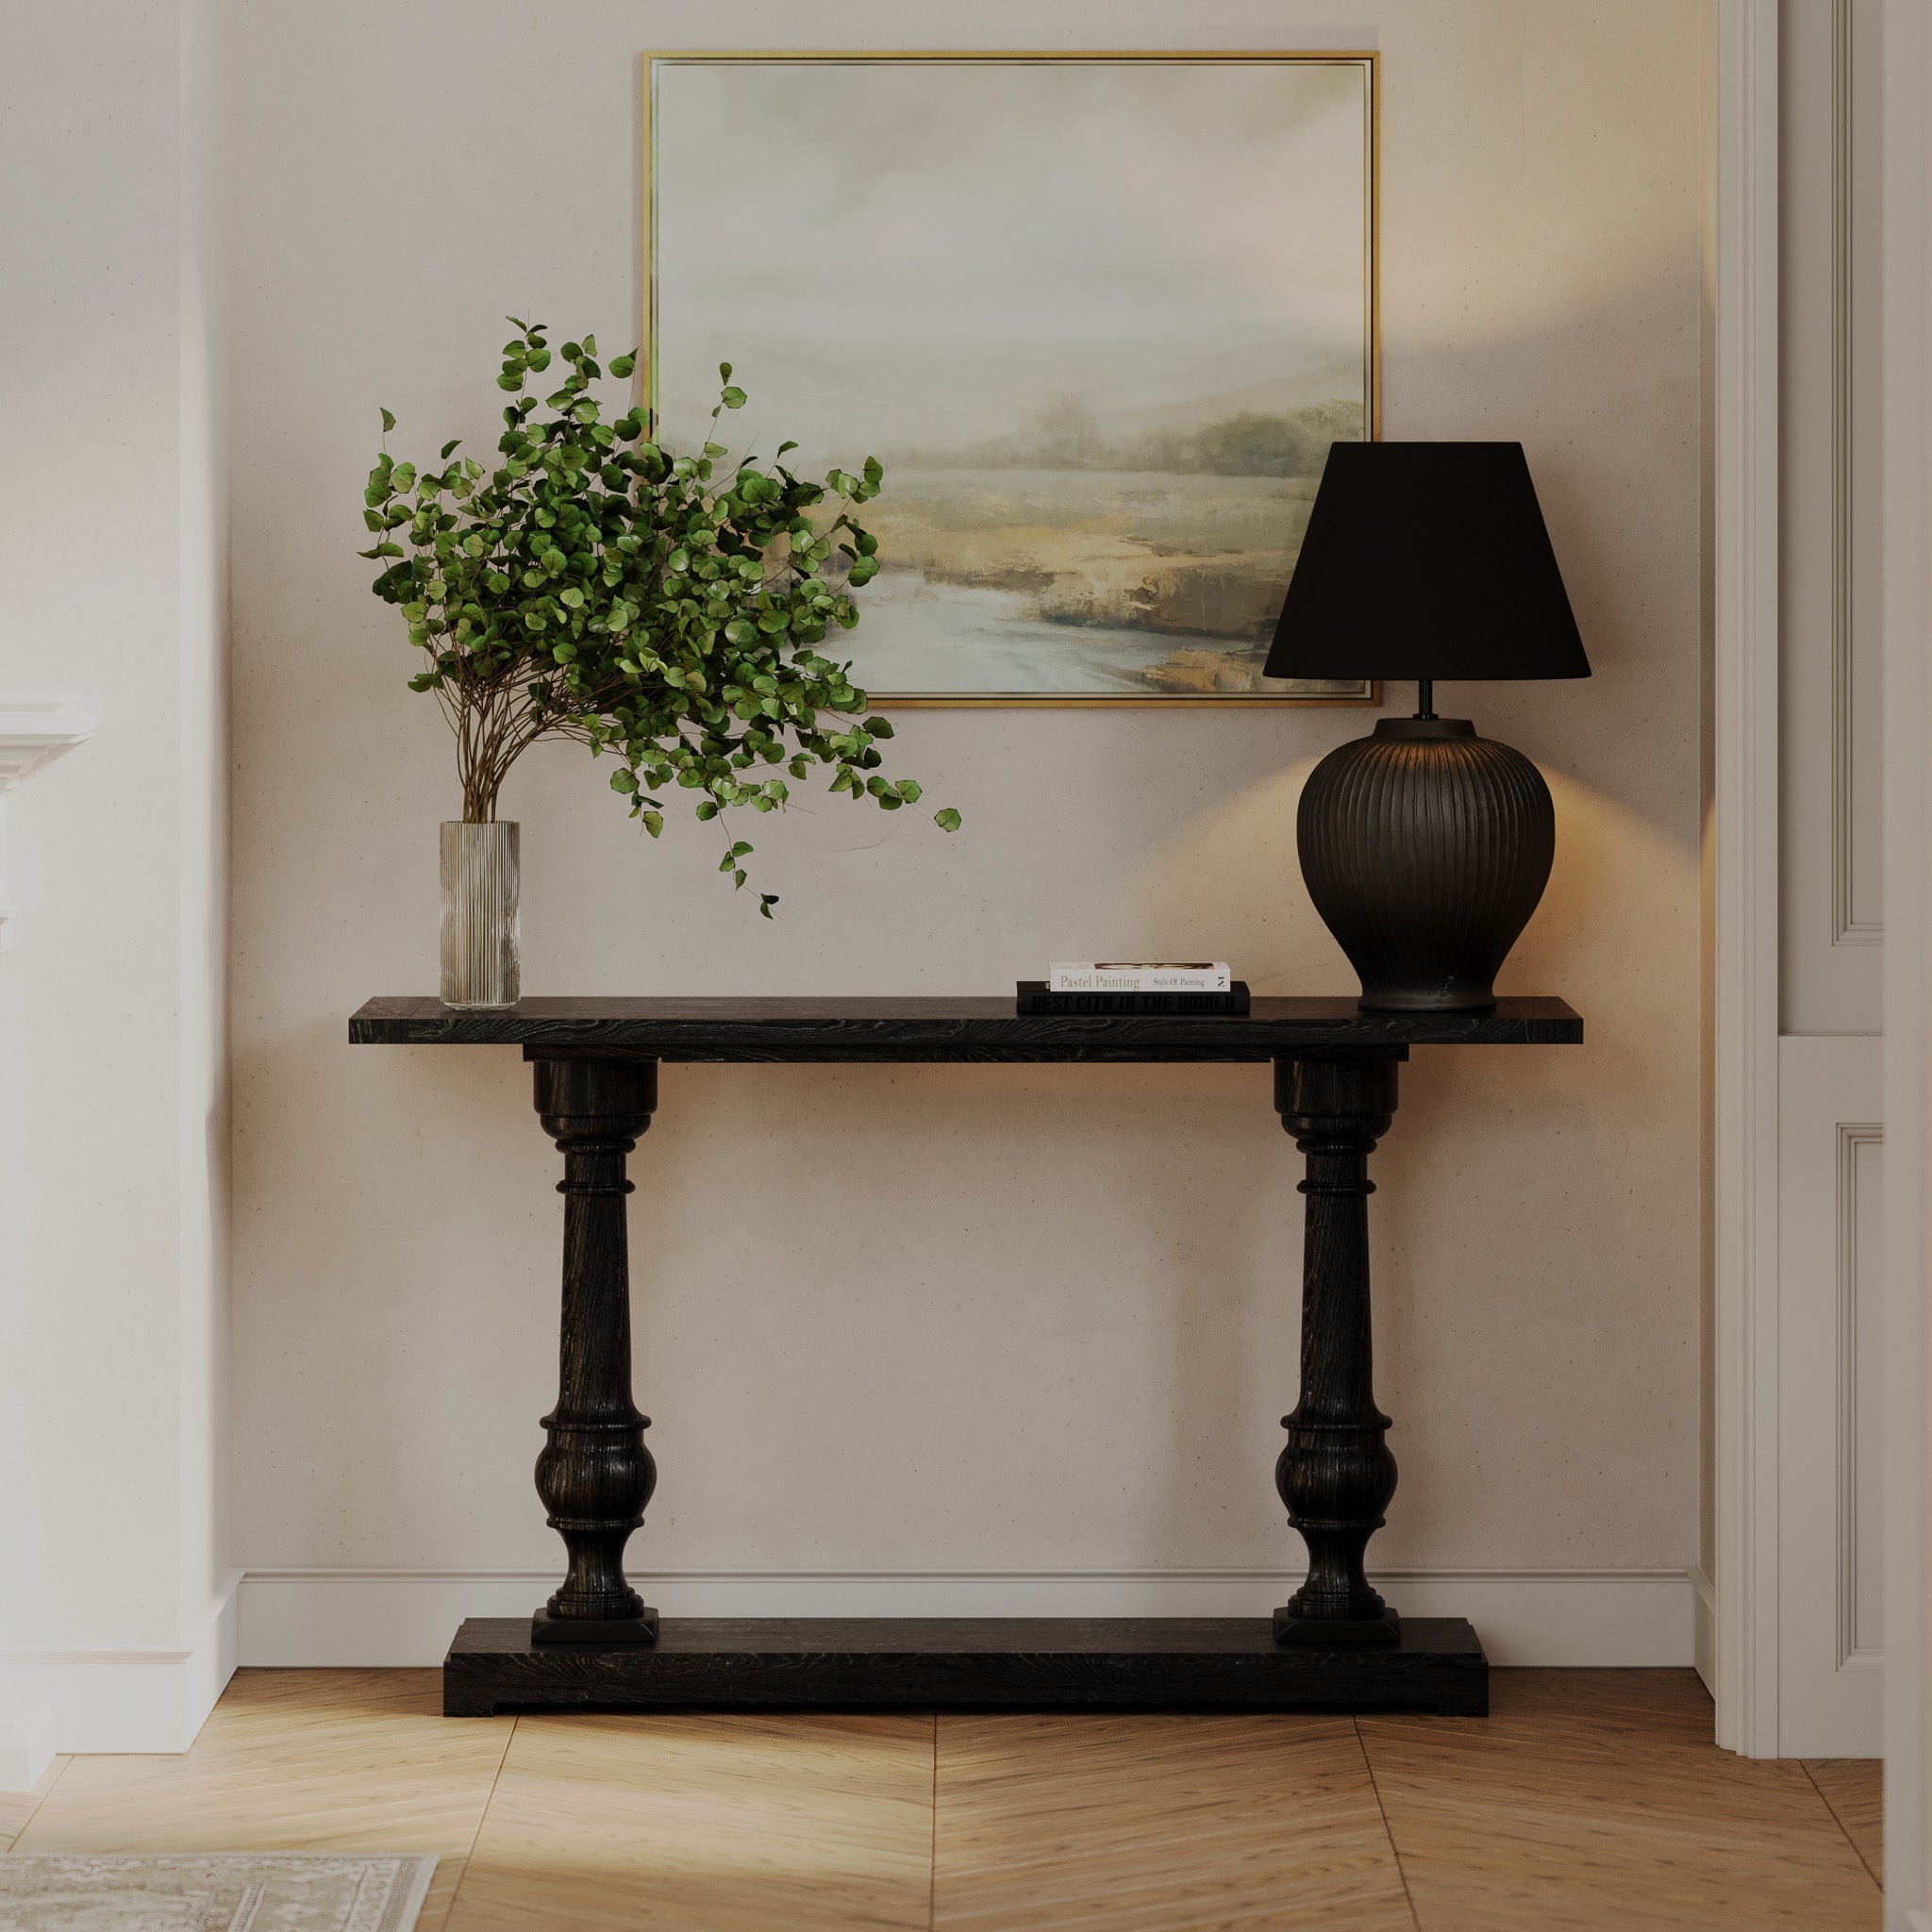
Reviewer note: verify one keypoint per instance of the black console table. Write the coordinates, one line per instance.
(1334, 1644)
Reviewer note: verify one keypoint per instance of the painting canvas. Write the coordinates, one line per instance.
(1100, 318)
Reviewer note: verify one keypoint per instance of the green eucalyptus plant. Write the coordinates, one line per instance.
(665, 608)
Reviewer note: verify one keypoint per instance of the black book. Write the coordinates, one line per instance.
(1035, 998)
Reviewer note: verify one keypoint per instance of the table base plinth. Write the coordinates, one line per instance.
(603, 1632)
(1035, 1663)
(1323, 1633)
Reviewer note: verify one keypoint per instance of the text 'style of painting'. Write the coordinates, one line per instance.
(1100, 319)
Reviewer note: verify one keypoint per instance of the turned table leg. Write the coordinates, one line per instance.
(1336, 1474)
(595, 1476)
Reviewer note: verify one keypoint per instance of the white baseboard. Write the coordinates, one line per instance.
(1704, 1652)
(26, 1742)
(401, 1617)
(129, 1700)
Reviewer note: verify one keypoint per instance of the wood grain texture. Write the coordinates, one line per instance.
(1592, 1799)
(896, 1030)
(728, 1824)
(1335, 1473)
(1146, 1823)
(1597, 1800)
(938, 1662)
(293, 1762)
(1854, 1789)
(595, 1474)
(18, 1807)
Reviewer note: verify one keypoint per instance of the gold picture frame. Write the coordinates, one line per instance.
(1124, 643)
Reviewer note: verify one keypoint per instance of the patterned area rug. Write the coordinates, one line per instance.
(232, 1892)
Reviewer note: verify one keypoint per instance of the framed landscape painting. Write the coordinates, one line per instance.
(1099, 317)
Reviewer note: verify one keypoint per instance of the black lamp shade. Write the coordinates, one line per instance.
(1427, 561)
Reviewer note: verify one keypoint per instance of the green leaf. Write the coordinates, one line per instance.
(947, 820)
(389, 421)
(616, 594)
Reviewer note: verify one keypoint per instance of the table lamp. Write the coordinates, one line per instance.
(1425, 847)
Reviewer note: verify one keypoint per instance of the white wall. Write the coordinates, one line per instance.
(115, 1597)
(959, 1320)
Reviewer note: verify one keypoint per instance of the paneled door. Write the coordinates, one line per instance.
(1830, 1281)
(1831, 941)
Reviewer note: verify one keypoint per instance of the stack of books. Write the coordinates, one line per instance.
(1116, 986)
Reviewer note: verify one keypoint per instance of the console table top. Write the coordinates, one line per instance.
(946, 1029)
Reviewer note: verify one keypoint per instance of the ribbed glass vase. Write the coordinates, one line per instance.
(480, 928)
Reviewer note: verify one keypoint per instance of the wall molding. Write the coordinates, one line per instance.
(129, 1700)
(387, 1618)
(1852, 1138)
(1743, 642)
(1703, 1627)
(1904, 514)
(35, 726)
(1848, 929)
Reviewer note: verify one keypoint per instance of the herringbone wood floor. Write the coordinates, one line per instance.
(1588, 1799)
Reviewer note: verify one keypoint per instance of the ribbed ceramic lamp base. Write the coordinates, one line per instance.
(1425, 849)
(481, 927)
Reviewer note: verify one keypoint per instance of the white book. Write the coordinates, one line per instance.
(1139, 976)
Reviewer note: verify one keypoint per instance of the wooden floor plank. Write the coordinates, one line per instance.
(1854, 1789)
(728, 1821)
(1595, 1799)
(294, 1761)
(18, 1807)
(1060, 1823)
(1591, 1798)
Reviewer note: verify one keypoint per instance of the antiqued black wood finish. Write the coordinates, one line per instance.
(946, 1029)
(595, 1474)
(1040, 1663)
(1334, 1646)
(1335, 1472)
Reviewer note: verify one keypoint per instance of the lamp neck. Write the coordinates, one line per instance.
(1425, 697)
